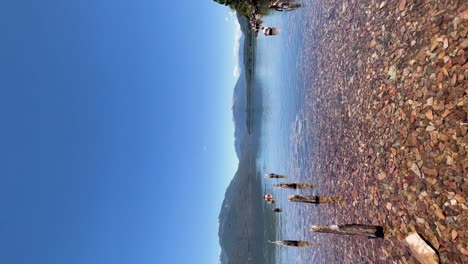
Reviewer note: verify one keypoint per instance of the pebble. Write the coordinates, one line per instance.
(397, 146)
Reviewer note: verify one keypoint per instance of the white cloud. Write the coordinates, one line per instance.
(236, 71)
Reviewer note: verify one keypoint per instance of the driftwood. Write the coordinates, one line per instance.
(350, 229)
(275, 176)
(315, 199)
(294, 185)
(294, 243)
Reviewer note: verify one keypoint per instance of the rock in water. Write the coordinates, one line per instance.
(464, 14)
(392, 72)
(420, 249)
(402, 5)
(416, 170)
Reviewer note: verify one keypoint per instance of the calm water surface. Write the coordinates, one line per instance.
(281, 74)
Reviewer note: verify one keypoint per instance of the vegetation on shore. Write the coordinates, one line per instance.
(246, 7)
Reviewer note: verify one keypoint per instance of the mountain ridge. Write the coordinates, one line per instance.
(241, 217)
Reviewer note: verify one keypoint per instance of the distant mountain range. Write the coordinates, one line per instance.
(241, 218)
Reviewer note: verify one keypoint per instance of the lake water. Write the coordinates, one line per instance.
(281, 72)
(283, 77)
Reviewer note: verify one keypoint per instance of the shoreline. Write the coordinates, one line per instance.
(388, 110)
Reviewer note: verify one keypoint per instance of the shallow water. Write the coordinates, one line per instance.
(281, 75)
(283, 72)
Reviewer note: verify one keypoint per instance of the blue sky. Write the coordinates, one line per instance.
(116, 130)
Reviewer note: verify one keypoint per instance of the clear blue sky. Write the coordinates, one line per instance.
(116, 131)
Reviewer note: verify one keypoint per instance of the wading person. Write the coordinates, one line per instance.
(270, 31)
(269, 198)
(294, 185)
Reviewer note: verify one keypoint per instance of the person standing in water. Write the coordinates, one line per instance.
(269, 198)
(270, 31)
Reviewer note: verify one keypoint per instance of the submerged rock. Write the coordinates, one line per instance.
(396, 147)
(420, 249)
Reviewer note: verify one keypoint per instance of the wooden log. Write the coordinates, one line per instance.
(350, 229)
(294, 243)
(315, 199)
(294, 185)
(275, 176)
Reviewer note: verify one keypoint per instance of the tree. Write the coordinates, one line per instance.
(243, 7)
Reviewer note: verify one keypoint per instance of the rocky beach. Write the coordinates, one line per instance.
(388, 106)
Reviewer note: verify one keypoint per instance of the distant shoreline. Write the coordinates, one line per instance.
(250, 45)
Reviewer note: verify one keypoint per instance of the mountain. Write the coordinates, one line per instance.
(241, 218)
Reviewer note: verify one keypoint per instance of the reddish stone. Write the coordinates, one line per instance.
(449, 64)
(440, 77)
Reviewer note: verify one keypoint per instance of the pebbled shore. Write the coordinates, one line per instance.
(388, 107)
